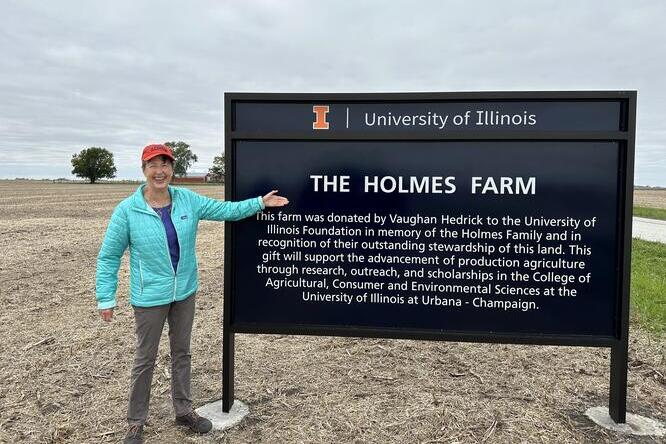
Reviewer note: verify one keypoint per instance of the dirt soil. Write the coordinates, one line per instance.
(650, 198)
(64, 373)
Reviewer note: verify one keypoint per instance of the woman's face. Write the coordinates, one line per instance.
(158, 172)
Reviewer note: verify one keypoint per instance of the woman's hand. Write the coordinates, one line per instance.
(107, 314)
(271, 200)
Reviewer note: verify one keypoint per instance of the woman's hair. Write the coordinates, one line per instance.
(161, 157)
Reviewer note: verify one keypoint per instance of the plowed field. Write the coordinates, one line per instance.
(64, 373)
(650, 198)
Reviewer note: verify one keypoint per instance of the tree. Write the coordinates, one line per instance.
(217, 170)
(94, 163)
(184, 157)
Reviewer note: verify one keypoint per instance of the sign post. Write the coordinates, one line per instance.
(481, 217)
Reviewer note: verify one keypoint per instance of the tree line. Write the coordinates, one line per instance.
(96, 163)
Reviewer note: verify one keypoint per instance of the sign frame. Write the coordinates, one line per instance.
(625, 137)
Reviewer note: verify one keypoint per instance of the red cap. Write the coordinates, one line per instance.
(157, 149)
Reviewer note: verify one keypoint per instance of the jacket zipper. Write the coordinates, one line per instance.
(175, 274)
(166, 244)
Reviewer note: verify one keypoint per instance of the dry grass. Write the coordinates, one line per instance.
(64, 373)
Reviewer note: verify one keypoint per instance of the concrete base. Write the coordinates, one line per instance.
(221, 420)
(635, 425)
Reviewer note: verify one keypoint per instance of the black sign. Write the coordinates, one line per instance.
(435, 118)
(498, 217)
(502, 236)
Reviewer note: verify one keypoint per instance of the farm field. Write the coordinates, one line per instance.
(655, 198)
(64, 373)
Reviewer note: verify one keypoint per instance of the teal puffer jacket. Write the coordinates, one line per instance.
(135, 225)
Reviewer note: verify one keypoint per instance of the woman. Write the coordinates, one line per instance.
(159, 224)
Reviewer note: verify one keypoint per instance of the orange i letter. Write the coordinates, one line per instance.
(320, 117)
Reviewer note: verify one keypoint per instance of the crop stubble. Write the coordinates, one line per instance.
(64, 373)
(651, 198)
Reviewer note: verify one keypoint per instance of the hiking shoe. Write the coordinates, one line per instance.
(134, 435)
(195, 422)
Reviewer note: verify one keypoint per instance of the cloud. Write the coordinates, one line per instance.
(127, 73)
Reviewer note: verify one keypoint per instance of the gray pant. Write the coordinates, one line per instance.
(149, 325)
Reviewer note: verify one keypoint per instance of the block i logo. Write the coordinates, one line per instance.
(320, 112)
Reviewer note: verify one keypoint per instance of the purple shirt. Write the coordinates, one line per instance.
(172, 236)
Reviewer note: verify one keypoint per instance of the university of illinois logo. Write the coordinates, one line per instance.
(320, 112)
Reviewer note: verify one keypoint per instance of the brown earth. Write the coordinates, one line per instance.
(64, 373)
(650, 198)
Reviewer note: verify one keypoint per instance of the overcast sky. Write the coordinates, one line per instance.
(122, 74)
